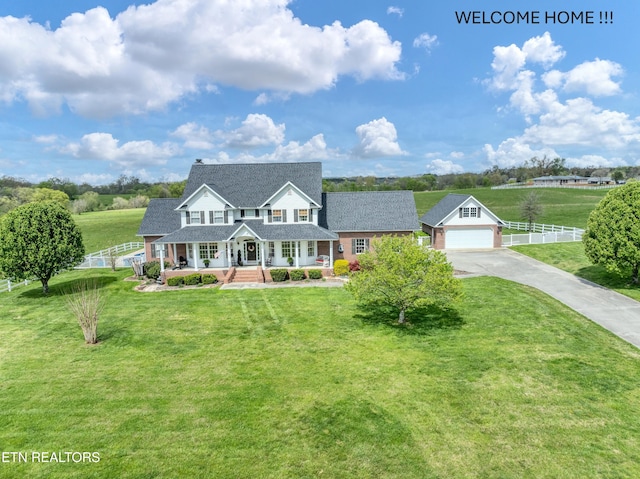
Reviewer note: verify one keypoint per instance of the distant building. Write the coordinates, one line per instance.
(571, 180)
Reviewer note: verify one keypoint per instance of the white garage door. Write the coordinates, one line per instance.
(469, 238)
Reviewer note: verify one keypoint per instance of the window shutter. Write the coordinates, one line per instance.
(295, 216)
(188, 217)
(226, 217)
(257, 213)
(202, 217)
(459, 212)
(284, 216)
(311, 216)
(478, 212)
(210, 217)
(353, 246)
(366, 244)
(270, 216)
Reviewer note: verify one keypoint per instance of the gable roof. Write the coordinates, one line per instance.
(448, 205)
(160, 217)
(369, 211)
(251, 185)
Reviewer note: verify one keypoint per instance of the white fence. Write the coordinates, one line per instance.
(511, 186)
(8, 285)
(104, 258)
(540, 234)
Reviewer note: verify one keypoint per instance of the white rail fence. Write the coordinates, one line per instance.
(8, 285)
(512, 186)
(540, 234)
(104, 258)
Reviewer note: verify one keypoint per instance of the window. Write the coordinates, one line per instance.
(301, 215)
(255, 213)
(208, 250)
(272, 249)
(311, 249)
(218, 217)
(155, 250)
(473, 212)
(287, 249)
(197, 217)
(278, 216)
(469, 212)
(359, 245)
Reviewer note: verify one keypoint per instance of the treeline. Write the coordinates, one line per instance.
(533, 168)
(125, 192)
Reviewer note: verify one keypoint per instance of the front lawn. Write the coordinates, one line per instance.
(298, 382)
(570, 257)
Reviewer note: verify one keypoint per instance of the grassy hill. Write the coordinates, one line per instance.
(562, 206)
(103, 229)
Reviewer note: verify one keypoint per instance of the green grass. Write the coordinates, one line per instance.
(301, 383)
(570, 257)
(562, 206)
(103, 229)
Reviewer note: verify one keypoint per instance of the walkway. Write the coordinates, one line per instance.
(613, 311)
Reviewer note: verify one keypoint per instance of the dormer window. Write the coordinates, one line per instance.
(301, 216)
(469, 212)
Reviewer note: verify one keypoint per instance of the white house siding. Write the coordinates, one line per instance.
(290, 199)
(204, 200)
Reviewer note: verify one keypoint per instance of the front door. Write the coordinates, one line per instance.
(251, 251)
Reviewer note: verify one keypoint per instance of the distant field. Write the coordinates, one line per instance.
(102, 229)
(563, 206)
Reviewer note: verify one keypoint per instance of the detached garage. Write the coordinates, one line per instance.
(462, 222)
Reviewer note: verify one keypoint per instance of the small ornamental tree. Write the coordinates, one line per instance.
(400, 273)
(612, 237)
(39, 240)
(531, 208)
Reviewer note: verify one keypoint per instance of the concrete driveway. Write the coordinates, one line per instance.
(613, 311)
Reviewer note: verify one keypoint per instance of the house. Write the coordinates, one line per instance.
(461, 221)
(571, 180)
(265, 214)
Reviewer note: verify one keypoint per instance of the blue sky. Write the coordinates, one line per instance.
(90, 91)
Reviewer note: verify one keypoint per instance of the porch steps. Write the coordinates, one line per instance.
(246, 276)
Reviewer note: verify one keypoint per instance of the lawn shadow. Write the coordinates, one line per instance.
(66, 287)
(419, 322)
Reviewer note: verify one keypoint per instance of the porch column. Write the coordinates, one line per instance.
(331, 253)
(229, 247)
(196, 251)
(175, 254)
(297, 254)
(262, 254)
(161, 258)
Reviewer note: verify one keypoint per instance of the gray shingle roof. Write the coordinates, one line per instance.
(369, 211)
(251, 185)
(443, 208)
(267, 232)
(160, 217)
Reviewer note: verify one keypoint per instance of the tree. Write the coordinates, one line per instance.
(39, 240)
(617, 176)
(400, 273)
(612, 237)
(531, 208)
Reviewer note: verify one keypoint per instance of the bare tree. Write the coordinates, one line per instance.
(531, 208)
(85, 302)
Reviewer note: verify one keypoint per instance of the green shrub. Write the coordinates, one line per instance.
(175, 281)
(341, 267)
(209, 279)
(152, 269)
(297, 275)
(193, 279)
(278, 275)
(315, 274)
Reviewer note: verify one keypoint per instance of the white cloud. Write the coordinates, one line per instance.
(593, 78)
(425, 41)
(256, 130)
(395, 10)
(151, 55)
(378, 138)
(443, 167)
(103, 146)
(195, 137)
(543, 50)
